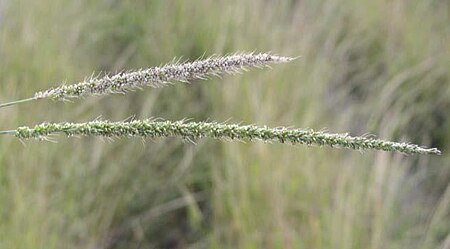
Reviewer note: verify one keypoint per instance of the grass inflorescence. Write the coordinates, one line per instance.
(157, 76)
(196, 130)
(185, 72)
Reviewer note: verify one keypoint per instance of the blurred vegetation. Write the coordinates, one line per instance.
(380, 66)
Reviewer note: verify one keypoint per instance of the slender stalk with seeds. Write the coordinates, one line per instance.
(157, 76)
(197, 130)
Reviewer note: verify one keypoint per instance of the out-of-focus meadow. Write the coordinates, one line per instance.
(367, 67)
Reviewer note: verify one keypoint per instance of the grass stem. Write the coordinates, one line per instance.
(18, 102)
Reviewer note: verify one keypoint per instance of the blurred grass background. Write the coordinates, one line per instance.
(377, 67)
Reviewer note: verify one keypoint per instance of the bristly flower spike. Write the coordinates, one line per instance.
(157, 76)
(196, 130)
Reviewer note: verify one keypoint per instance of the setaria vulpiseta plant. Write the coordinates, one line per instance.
(196, 130)
(186, 72)
(157, 76)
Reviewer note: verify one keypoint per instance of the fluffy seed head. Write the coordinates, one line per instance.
(160, 76)
(197, 130)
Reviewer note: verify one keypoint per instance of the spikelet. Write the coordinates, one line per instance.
(196, 130)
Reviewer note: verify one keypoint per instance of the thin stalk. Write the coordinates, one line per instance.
(18, 102)
(10, 132)
(196, 130)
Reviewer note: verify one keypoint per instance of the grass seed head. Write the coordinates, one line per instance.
(197, 130)
(161, 76)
